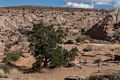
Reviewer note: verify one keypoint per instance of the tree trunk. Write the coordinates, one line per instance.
(45, 65)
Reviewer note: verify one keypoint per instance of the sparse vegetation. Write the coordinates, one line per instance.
(88, 48)
(43, 42)
(83, 38)
(72, 53)
(116, 36)
(113, 76)
(5, 68)
(12, 56)
(97, 61)
(8, 58)
(69, 42)
(52, 44)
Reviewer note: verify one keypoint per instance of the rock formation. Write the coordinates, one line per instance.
(14, 20)
(102, 30)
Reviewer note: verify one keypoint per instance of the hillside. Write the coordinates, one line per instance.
(14, 19)
(96, 30)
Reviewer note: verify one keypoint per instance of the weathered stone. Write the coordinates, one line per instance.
(102, 30)
(25, 62)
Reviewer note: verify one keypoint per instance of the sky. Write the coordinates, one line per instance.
(64, 3)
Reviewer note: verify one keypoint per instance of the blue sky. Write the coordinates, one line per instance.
(32, 2)
(65, 3)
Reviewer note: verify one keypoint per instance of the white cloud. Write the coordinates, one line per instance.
(102, 2)
(78, 5)
(117, 3)
(89, 3)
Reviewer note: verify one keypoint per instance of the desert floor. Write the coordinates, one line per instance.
(60, 73)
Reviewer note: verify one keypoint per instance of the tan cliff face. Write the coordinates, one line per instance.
(13, 19)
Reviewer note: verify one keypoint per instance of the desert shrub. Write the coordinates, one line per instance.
(2, 74)
(97, 61)
(83, 38)
(96, 77)
(43, 43)
(72, 53)
(12, 56)
(83, 31)
(116, 36)
(114, 76)
(58, 57)
(44, 46)
(5, 68)
(69, 56)
(78, 39)
(88, 48)
(69, 42)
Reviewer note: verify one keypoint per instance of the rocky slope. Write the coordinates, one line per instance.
(14, 19)
(99, 24)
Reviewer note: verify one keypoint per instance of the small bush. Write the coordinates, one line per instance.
(83, 38)
(105, 77)
(72, 53)
(96, 77)
(78, 39)
(69, 42)
(97, 61)
(88, 48)
(12, 56)
(58, 58)
(5, 68)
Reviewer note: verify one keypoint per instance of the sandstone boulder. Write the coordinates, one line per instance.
(25, 62)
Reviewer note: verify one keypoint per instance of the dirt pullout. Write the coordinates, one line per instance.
(61, 73)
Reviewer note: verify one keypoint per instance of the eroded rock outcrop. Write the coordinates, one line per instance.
(103, 29)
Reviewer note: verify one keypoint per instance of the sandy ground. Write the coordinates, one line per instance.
(61, 73)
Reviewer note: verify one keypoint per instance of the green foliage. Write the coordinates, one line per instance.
(97, 61)
(5, 68)
(43, 43)
(43, 37)
(12, 56)
(61, 56)
(114, 76)
(78, 39)
(72, 53)
(116, 35)
(58, 58)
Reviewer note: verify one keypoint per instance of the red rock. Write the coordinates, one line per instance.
(25, 62)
